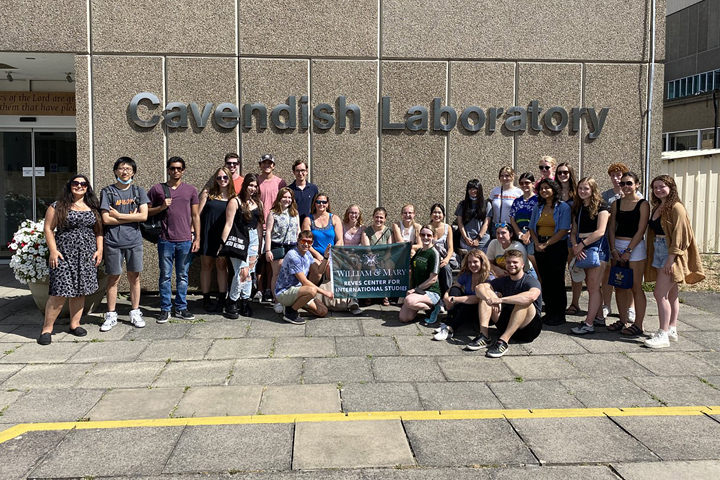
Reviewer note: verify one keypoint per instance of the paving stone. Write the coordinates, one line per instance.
(333, 327)
(34, 353)
(656, 470)
(223, 448)
(21, 453)
(606, 365)
(123, 351)
(7, 371)
(155, 331)
(534, 394)
(117, 333)
(16, 333)
(227, 329)
(121, 375)
(486, 442)
(387, 327)
(673, 363)
(422, 473)
(345, 445)
(705, 338)
(176, 349)
(574, 472)
(47, 376)
(201, 372)
(676, 438)
(713, 358)
(292, 399)
(131, 404)
(474, 368)
(267, 371)
(426, 346)
(67, 405)
(553, 343)
(241, 348)
(407, 369)
(304, 347)
(380, 397)
(7, 398)
(609, 392)
(363, 346)
(457, 396)
(542, 367)
(219, 401)
(275, 328)
(608, 342)
(575, 440)
(702, 321)
(679, 390)
(337, 370)
(144, 452)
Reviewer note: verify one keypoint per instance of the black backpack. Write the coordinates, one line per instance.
(152, 227)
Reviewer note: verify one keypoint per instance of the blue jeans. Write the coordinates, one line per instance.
(240, 289)
(178, 253)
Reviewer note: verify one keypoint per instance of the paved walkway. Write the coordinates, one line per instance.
(349, 397)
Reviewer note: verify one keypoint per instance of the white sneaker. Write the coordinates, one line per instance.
(258, 296)
(606, 311)
(658, 340)
(582, 329)
(672, 334)
(110, 321)
(442, 310)
(136, 318)
(443, 334)
(278, 307)
(631, 315)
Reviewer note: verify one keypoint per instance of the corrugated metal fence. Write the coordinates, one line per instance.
(697, 173)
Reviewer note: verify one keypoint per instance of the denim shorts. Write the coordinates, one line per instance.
(434, 297)
(603, 248)
(639, 253)
(252, 248)
(660, 255)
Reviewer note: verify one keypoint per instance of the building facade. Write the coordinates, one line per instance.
(522, 80)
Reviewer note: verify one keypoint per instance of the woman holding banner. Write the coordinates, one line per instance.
(378, 234)
(425, 266)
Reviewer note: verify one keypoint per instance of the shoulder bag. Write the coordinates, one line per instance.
(237, 243)
(152, 227)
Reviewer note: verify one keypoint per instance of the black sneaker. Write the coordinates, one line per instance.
(481, 341)
(45, 339)
(553, 320)
(292, 316)
(184, 315)
(267, 296)
(498, 350)
(231, 309)
(163, 317)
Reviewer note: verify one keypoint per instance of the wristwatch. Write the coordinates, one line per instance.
(452, 299)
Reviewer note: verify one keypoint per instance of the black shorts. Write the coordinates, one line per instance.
(527, 334)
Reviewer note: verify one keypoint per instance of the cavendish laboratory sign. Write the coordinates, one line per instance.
(294, 114)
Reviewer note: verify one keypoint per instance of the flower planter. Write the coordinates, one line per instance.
(39, 292)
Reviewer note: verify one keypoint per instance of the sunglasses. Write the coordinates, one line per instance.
(626, 184)
(232, 164)
(75, 183)
(544, 167)
(321, 202)
(176, 169)
(562, 172)
(502, 225)
(306, 242)
(222, 178)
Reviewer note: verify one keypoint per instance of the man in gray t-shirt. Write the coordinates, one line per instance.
(123, 206)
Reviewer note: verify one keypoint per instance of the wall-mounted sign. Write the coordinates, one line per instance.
(37, 103)
(285, 116)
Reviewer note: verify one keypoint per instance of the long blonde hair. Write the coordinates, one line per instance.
(672, 198)
(277, 205)
(484, 264)
(214, 192)
(594, 201)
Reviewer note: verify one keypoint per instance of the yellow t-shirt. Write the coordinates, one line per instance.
(546, 225)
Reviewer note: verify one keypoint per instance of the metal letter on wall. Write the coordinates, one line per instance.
(135, 103)
(465, 119)
(549, 119)
(225, 111)
(201, 118)
(172, 114)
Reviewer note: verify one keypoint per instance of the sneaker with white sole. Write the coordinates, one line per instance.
(599, 322)
(498, 350)
(278, 307)
(355, 309)
(257, 297)
(658, 340)
(443, 334)
(164, 317)
(136, 318)
(110, 321)
(672, 334)
(606, 311)
(583, 329)
(631, 315)
(292, 316)
(481, 341)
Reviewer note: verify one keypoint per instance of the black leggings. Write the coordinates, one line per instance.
(551, 268)
(445, 278)
(461, 313)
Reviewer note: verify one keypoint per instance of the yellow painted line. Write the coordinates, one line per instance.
(23, 428)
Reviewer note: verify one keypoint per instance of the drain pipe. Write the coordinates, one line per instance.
(648, 135)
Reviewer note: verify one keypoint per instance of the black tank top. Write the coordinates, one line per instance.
(656, 225)
(628, 222)
(249, 224)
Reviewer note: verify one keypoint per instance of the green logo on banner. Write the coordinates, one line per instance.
(371, 272)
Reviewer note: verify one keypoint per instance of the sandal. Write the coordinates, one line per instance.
(616, 327)
(572, 310)
(633, 330)
(386, 302)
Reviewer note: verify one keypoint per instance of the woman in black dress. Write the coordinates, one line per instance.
(213, 203)
(76, 250)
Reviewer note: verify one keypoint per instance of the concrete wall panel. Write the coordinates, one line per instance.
(202, 80)
(341, 28)
(271, 82)
(412, 164)
(344, 164)
(481, 154)
(83, 131)
(164, 26)
(42, 26)
(551, 85)
(534, 29)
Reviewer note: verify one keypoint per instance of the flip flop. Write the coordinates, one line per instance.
(572, 310)
(386, 302)
(616, 327)
(632, 331)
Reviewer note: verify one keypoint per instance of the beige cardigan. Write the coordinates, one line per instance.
(681, 243)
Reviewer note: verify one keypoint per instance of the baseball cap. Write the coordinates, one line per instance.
(267, 156)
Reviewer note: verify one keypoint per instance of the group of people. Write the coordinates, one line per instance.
(537, 228)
